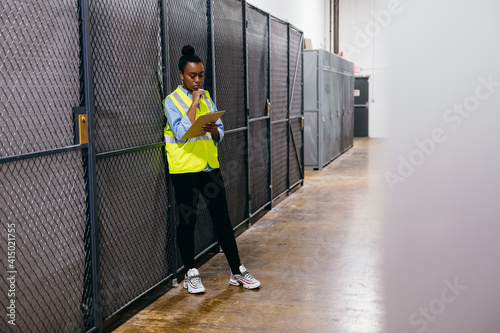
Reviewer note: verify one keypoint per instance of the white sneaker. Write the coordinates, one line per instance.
(192, 282)
(244, 279)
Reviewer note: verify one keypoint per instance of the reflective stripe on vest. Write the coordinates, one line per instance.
(178, 98)
(172, 139)
(209, 103)
(194, 154)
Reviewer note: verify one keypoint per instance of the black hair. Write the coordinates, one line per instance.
(188, 55)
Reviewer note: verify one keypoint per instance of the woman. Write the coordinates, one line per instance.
(194, 168)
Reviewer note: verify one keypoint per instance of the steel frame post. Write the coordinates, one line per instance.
(88, 83)
(247, 108)
(211, 63)
(302, 110)
(211, 51)
(269, 77)
(166, 89)
(320, 108)
(336, 14)
(269, 121)
(288, 109)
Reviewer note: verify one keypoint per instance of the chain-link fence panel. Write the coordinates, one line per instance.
(89, 280)
(43, 199)
(229, 61)
(279, 70)
(131, 187)
(258, 62)
(39, 74)
(43, 212)
(126, 52)
(132, 199)
(295, 164)
(232, 156)
(279, 159)
(259, 164)
(296, 47)
(187, 24)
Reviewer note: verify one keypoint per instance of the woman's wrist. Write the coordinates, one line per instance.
(215, 135)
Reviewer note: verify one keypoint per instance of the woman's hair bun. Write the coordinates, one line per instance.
(188, 50)
(188, 55)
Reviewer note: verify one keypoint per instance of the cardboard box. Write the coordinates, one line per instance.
(308, 44)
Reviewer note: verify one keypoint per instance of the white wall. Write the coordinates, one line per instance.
(364, 26)
(310, 16)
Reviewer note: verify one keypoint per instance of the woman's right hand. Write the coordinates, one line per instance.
(197, 95)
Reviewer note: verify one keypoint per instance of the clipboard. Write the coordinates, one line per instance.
(195, 129)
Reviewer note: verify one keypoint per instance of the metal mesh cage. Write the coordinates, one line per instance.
(296, 46)
(132, 199)
(43, 211)
(232, 154)
(46, 198)
(187, 24)
(88, 277)
(259, 164)
(279, 70)
(39, 74)
(279, 158)
(126, 54)
(295, 164)
(258, 62)
(229, 62)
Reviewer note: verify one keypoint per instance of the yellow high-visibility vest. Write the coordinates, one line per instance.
(190, 155)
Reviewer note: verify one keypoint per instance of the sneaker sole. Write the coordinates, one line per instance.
(236, 283)
(193, 291)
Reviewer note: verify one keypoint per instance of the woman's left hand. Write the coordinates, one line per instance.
(213, 129)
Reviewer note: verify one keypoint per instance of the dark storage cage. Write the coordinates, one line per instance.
(328, 106)
(90, 225)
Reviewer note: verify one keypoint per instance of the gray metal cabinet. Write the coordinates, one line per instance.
(328, 107)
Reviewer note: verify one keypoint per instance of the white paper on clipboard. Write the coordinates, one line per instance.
(195, 129)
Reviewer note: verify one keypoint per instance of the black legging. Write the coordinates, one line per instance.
(188, 187)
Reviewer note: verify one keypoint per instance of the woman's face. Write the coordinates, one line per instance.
(193, 75)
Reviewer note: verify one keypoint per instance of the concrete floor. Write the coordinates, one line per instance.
(317, 255)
